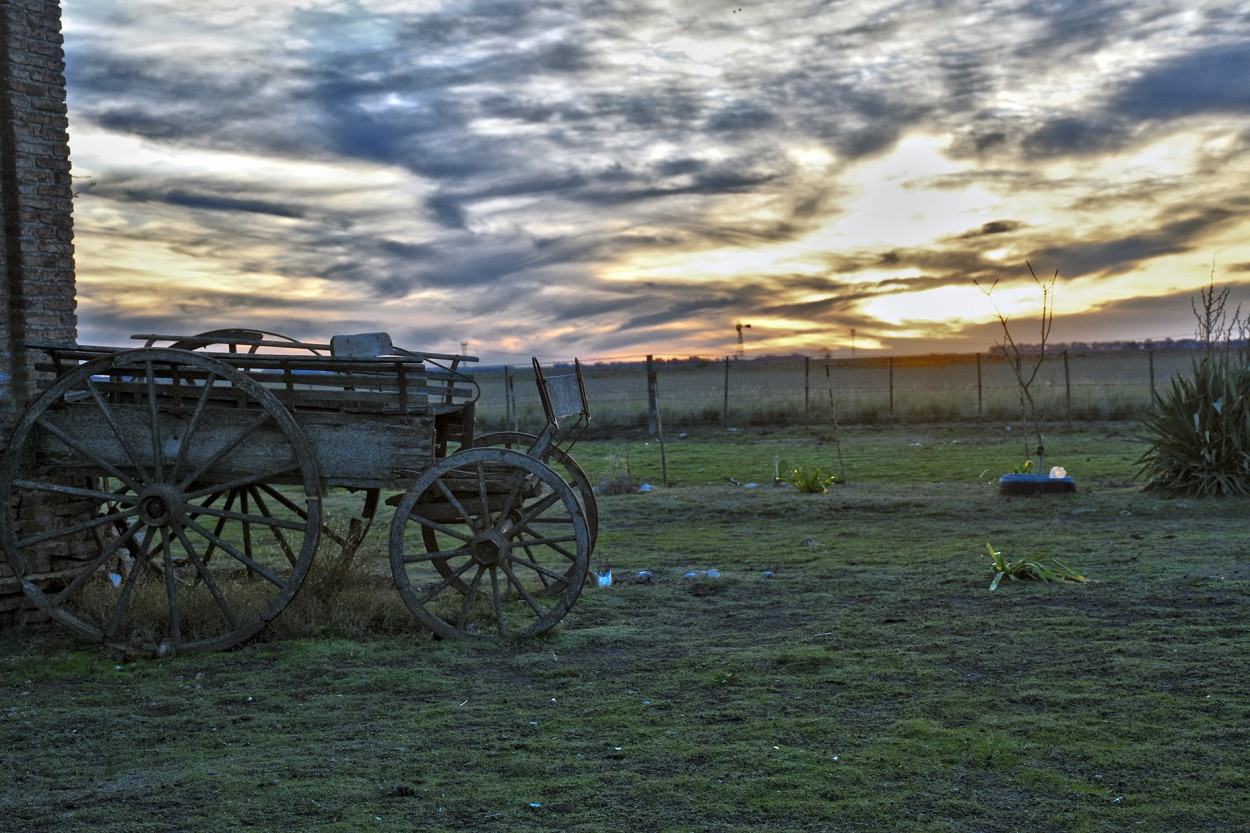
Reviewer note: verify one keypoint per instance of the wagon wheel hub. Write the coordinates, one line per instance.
(159, 505)
(490, 548)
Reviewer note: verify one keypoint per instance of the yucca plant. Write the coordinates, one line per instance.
(1031, 568)
(1199, 432)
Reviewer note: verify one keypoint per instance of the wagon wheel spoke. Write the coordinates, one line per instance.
(278, 534)
(486, 569)
(206, 576)
(73, 530)
(195, 449)
(120, 435)
(221, 521)
(237, 554)
(127, 589)
(106, 554)
(192, 427)
(247, 431)
(90, 458)
(171, 591)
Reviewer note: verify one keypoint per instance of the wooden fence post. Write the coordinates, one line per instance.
(891, 387)
(509, 397)
(724, 414)
(980, 394)
(653, 396)
(1067, 386)
(1151, 355)
(657, 420)
(807, 391)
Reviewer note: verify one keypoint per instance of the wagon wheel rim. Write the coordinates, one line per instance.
(166, 568)
(558, 459)
(508, 562)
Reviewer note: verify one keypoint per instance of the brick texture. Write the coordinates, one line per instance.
(36, 200)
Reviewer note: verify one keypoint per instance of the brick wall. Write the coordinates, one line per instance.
(36, 249)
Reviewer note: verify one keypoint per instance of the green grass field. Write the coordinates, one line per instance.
(848, 670)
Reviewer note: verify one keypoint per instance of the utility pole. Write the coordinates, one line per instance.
(852, 342)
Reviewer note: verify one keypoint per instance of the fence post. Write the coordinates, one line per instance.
(891, 387)
(807, 392)
(980, 395)
(724, 414)
(1151, 355)
(653, 404)
(657, 421)
(509, 397)
(1067, 386)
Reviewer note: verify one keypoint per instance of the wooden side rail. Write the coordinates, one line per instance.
(402, 384)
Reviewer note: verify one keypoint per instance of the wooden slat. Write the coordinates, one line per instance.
(364, 450)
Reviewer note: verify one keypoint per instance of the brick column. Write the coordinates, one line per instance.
(36, 249)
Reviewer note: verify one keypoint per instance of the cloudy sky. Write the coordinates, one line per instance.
(612, 178)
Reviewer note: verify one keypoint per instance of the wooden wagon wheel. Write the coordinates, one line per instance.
(558, 459)
(359, 523)
(112, 514)
(510, 550)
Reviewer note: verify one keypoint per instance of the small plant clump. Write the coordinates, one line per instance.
(619, 478)
(1031, 568)
(810, 481)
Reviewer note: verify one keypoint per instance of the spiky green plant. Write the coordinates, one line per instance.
(809, 481)
(1030, 568)
(1199, 432)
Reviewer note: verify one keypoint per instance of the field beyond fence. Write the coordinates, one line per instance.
(799, 390)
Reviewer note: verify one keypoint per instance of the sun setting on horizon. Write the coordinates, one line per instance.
(636, 178)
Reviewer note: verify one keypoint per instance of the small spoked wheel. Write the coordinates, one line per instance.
(159, 501)
(489, 542)
(559, 460)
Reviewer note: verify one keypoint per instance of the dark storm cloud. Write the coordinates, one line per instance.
(208, 201)
(1122, 253)
(1213, 80)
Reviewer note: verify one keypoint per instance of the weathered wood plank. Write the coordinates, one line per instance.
(349, 449)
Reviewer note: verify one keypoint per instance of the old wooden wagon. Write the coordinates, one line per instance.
(172, 497)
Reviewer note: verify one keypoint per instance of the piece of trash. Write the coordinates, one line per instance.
(535, 805)
(605, 578)
(731, 480)
(644, 577)
(1058, 472)
(116, 579)
(645, 487)
(691, 574)
(712, 573)
(809, 542)
(751, 486)
(768, 574)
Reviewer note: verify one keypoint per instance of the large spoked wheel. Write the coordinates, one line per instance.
(159, 501)
(489, 542)
(358, 518)
(558, 459)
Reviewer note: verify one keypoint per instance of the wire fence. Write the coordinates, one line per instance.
(802, 390)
